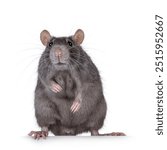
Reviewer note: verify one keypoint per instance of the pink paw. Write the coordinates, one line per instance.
(38, 134)
(75, 106)
(55, 87)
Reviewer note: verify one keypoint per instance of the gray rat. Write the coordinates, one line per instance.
(69, 96)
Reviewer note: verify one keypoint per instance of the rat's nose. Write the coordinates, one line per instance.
(58, 52)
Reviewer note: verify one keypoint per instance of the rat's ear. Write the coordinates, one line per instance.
(78, 37)
(45, 37)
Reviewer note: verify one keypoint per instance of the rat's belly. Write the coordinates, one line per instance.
(68, 118)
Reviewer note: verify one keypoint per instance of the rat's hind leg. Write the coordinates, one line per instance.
(46, 114)
(97, 119)
(55, 129)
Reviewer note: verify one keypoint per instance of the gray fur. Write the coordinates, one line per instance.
(77, 77)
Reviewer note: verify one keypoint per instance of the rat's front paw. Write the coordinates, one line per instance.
(55, 87)
(75, 106)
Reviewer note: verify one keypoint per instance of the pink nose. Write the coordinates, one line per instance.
(58, 52)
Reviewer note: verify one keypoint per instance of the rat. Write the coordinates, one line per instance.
(69, 96)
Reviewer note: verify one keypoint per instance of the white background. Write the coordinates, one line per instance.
(119, 36)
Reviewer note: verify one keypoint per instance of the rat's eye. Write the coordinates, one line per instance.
(70, 43)
(50, 44)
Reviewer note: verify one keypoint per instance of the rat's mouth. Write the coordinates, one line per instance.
(60, 63)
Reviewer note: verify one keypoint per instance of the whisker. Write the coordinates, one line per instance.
(36, 49)
(77, 65)
(80, 56)
(76, 61)
(27, 58)
(27, 66)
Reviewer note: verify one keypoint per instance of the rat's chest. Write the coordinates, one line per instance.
(68, 84)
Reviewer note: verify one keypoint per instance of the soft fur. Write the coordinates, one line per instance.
(52, 110)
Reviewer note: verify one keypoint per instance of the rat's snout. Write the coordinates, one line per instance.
(59, 55)
(58, 52)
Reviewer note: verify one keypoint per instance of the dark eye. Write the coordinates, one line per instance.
(70, 43)
(50, 44)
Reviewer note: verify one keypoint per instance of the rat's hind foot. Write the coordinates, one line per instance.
(55, 87)
(38, 134)
(96, 133)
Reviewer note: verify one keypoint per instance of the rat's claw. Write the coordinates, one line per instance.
(31, 133)
(38, 136)
(44, 136)
(56, 87)
(75, 106)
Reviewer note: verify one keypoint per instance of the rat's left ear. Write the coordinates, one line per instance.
(78, 37)
(45, 37)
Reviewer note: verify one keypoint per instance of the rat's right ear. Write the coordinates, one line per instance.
(78, 37)
(45, 37)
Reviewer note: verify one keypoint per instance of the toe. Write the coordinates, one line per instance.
(35, 136)
(76, 108)
(31, 133)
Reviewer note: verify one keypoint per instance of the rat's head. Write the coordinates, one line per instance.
(61, 50)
